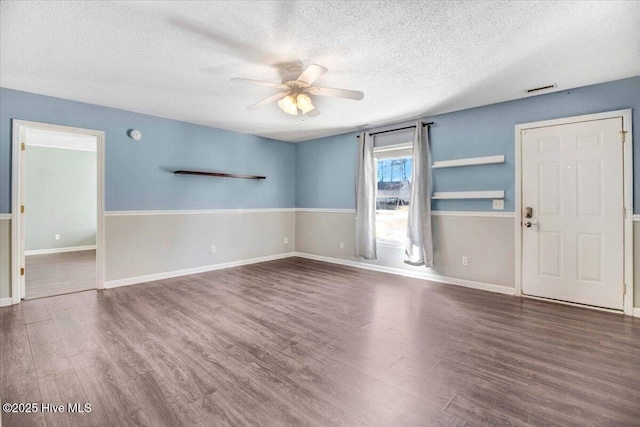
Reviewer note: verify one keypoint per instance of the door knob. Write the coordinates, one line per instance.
(530, 224)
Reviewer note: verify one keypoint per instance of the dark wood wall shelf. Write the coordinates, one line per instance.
(219, 174)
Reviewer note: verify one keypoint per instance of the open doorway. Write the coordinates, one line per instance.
(58, 194)
(60, 220)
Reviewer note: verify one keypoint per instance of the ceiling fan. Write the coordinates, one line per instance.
(295, 93)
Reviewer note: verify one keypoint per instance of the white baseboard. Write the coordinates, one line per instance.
(59, 250)
(6, 301)
(636, 312)
(176, 273)
(415, 274)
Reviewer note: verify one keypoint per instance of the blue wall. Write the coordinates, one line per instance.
(138, 175)
(326, 166)
(326, 172)
(313, 174)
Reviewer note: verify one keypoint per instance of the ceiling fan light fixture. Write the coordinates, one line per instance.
(288, 105)
(304, 103)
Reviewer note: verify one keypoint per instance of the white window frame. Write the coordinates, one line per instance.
(386, 149)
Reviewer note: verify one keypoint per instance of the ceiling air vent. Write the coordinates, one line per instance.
(538, 89)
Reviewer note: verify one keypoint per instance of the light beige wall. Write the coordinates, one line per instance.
(5, 258)
(141, 245)
(487, 242)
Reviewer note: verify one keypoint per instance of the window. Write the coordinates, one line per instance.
(393, 193)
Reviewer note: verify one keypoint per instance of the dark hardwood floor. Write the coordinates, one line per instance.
(298, 342)
(59, 273)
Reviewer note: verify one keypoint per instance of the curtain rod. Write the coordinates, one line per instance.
(399, 129)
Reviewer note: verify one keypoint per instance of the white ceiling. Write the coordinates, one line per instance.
(411, 59)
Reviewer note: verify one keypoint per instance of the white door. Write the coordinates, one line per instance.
(573, 242)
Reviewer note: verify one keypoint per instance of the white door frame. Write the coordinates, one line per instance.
(17, 250)
(628, 193)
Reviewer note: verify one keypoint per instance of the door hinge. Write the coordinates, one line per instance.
(624, 135)
(23, 146)
(624, 289)
(22, 271)
(624, 212)
(21, 208)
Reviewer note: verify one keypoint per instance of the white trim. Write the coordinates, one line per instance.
(4, 302)
(197, 212)
(89, 150)
(468, 162)
(313, 210)
(628, 193)
(321, 210)
(417, 275)
(636, 217)
(392, 147)
(390, 244)
(488, 214)
(5, 216)
(63, 141)
(59, 250)
(469, 195)
(636, 312)
(177, 273)
(573, 304)
(17, 250)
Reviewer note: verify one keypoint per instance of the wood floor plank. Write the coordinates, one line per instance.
(108, 388)
(18, 377)
(60, 273)
(63, 388)
(16, 419)
(301, 342)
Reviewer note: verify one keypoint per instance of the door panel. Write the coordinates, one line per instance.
(572, 179)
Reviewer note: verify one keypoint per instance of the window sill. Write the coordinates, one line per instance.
(389, 243)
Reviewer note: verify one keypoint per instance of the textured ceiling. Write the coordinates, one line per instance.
(411, 59)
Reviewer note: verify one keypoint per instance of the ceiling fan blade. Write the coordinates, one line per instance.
(312, 73)
(339, 93)
(313, 113)
(260, 82)
(268, 100)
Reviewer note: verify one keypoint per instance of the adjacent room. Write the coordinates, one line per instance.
(322, 213)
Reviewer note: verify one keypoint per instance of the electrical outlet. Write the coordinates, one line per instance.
(341, 245)
(213, 249)
(286, 240)
(465, 261)
(498, 204)
(57, 237)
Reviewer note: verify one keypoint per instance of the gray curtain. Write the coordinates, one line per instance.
(419, 247)
(366, 199)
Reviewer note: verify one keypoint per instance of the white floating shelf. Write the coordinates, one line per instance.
(468, 162)
(469, 195)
